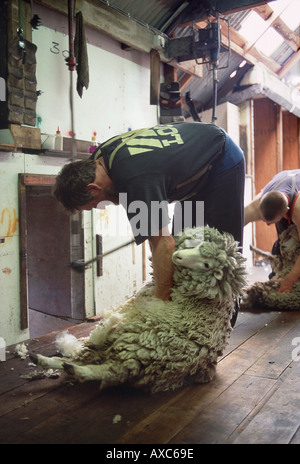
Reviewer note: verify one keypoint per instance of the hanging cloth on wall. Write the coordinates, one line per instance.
(21, 82)
(81, 55)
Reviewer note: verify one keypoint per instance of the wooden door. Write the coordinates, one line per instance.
(265, 160)
(48, 282)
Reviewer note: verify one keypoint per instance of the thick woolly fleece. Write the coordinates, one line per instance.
(265, 294)
(162, 345)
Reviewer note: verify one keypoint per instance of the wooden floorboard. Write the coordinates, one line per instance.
(254, 397)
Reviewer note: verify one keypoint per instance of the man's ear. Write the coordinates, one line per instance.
(93, 188)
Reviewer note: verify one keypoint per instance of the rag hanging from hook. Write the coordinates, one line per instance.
(80, 49)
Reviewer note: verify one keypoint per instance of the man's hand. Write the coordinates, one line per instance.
(285, 285)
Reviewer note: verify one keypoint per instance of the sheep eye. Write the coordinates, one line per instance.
(206, 265)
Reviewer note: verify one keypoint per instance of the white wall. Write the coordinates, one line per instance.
(118, 95)
(11, 164)
(117, 100)
(123, 269)
(228, 117)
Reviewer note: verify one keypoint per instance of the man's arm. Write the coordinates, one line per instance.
(162, 247)
(252, 212)
(286, 284)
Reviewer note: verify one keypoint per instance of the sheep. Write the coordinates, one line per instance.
(160, 345)
(265, 294)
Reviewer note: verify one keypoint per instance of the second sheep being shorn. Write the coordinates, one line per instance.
(265, 294)
(162, 345)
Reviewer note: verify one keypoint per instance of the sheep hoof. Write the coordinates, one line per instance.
(207, 375)
(34, 358)
(69, 368)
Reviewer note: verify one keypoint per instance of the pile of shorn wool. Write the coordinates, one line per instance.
(162, 345)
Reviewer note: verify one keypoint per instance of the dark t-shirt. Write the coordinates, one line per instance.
(155, 166)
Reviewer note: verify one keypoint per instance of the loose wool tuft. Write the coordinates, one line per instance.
(265, 294)
(162, 345)
(68, 345)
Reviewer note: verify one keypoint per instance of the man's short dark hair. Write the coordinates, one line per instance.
(272, 205)
(71, 182)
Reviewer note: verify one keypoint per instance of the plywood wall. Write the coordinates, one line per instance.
(276, 148)
(291, 151)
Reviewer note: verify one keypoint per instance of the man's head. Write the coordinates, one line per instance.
(273, 206)
(81, 185)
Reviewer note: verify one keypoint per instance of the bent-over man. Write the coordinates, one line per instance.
(279, 204)
(187, 163)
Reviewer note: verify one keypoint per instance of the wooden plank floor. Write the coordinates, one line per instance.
(253, 399)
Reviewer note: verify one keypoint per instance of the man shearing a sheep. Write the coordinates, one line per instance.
(279, 203)
(187, 163)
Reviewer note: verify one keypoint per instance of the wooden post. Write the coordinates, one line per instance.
(23, 254)
(279, 139)
(154, 77)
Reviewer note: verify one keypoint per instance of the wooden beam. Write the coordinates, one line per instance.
(287, 66)
(109, 21)
(290, 37)
(239, 46)
(185, 80)
(23, 254)
(154, 77)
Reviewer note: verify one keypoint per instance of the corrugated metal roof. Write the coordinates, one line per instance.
(155, 13)
(201, 89)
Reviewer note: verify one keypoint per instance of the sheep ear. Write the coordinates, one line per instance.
(218, 274)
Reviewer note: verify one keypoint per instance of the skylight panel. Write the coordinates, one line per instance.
(269, 42)
(291, 16)
(252, 27)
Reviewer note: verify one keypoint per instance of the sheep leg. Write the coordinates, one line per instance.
(46, 362)
(107, 374)
(266, 254)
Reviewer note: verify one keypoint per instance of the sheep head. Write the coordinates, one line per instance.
(206, 257)
(208, 264)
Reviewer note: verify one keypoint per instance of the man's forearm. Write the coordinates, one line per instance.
(286, 284)
(162, 249)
